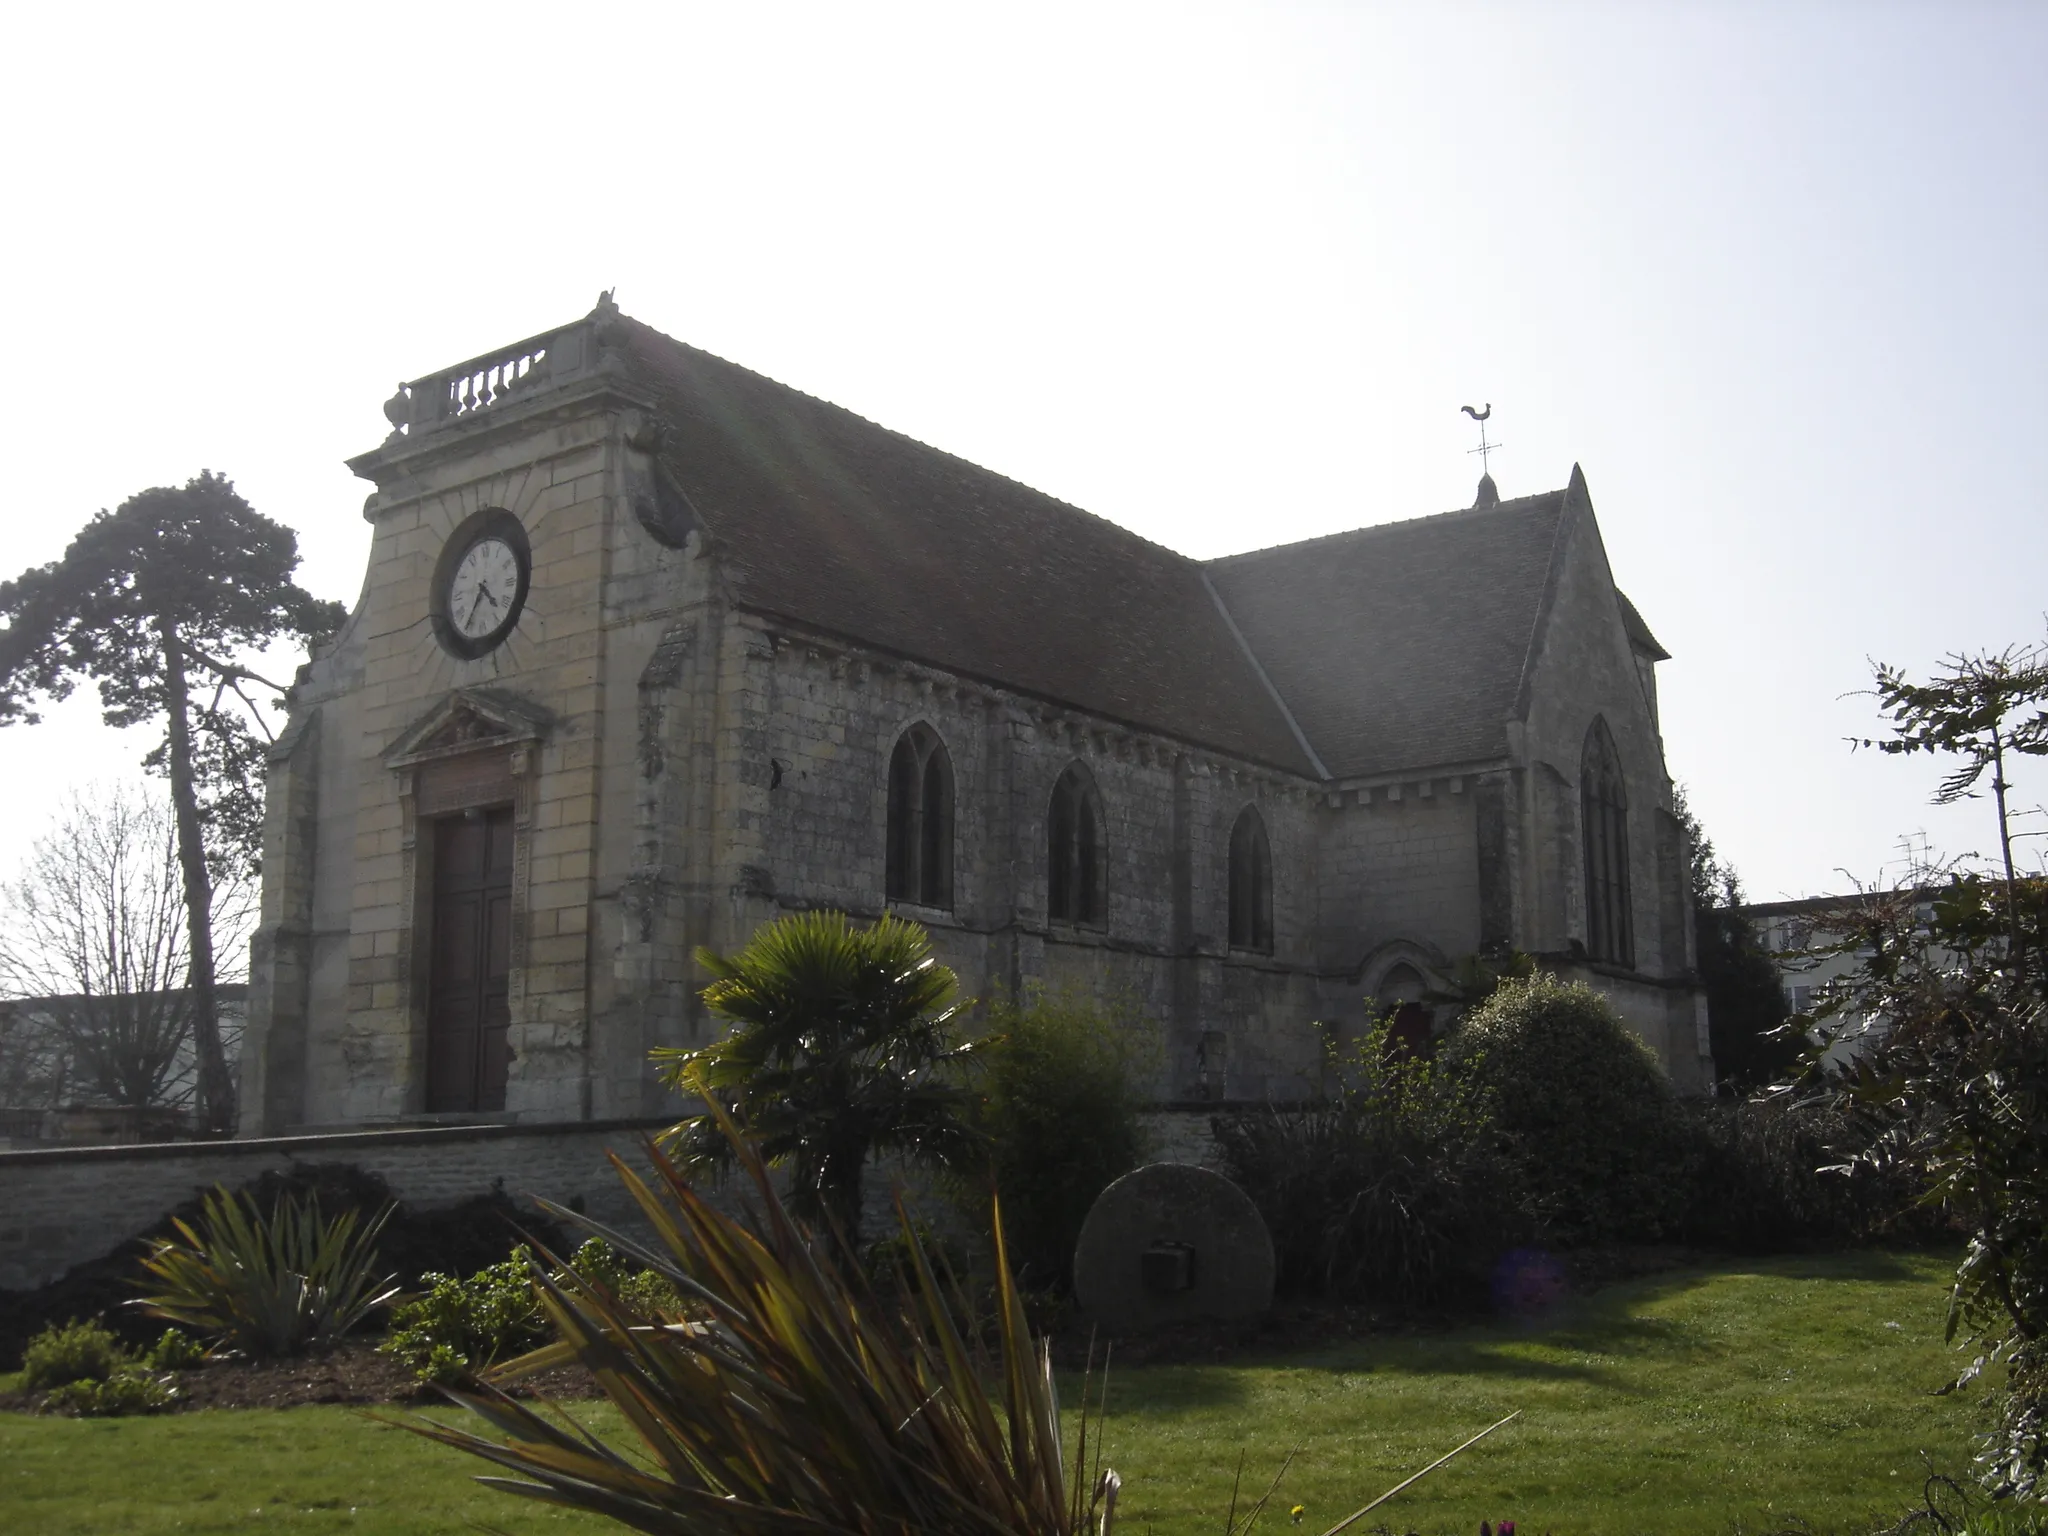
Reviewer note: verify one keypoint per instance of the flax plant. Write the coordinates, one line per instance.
(276, 1285)
(792, 1397)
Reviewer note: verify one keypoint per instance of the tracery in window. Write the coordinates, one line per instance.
(1251, 883)
(920, 860)
(1603, 816)
(1074, 850)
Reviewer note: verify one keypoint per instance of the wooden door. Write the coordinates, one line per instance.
(468, 1005)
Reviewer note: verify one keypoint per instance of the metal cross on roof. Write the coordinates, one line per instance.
(1484, 447)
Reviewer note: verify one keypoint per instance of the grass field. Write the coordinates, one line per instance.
(1743, 1397)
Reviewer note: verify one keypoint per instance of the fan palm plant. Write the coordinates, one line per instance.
(799, 1400)
(843, 1044)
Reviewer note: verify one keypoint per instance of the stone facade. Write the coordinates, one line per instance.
(684, 760)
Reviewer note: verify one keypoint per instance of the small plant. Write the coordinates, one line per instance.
(276, 1285)
(128, 1390)
(458, 1327)
(77, 1351)
(176, 1350)
(645, 1291)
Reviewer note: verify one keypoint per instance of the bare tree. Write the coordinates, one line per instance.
(95, 949)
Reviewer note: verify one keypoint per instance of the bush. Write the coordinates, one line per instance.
(268, 1286)
(174, 1351)
(1781, 1175)
(1394, 1190)
(1061, 1112)
(129, 1390)
(77, 1351)
(1584, 1110)
(460, 1326)
(643, 1291)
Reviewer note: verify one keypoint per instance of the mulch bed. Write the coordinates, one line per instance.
(355, 1373)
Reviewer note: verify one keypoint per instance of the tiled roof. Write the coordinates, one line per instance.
(1401, 646)
(1639, 635)
(828, 520)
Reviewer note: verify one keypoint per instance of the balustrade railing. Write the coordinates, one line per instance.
(473, 386)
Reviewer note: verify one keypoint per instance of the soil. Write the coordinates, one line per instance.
(354, 1373)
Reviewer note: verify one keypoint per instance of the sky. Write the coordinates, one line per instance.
(1772, 274)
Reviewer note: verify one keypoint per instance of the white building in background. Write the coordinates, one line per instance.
(1805, 938)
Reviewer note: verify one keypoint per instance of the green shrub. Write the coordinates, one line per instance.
(1061, 1108)
(128, 1390)
(1584, 1110)
(458, 1327)
(1781, 1175)
(1392, 1190)
(641, 1290)
(76, 1351)
(174, 1351)
(276, 1285)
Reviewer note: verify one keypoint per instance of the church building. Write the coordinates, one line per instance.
(652, 649)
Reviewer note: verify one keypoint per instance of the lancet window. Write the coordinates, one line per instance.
(1074, 850)
(1603, 817)
(1251, 883)
(920, 862)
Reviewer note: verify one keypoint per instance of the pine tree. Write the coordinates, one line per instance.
(153, 602)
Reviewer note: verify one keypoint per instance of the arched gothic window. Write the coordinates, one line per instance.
(1251, 883)
(921, 820)
(1074, 850)
(1603, 816)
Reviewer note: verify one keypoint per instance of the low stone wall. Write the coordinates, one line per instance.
(64, 1205)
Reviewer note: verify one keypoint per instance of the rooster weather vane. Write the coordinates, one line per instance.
(1485, 448)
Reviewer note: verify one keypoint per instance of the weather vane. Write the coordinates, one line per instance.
(1484, 447)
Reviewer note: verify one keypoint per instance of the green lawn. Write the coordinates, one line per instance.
(1739, 1397)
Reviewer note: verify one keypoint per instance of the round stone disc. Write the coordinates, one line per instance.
(1171, 1242)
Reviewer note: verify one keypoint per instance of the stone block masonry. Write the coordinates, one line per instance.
(61, 1206)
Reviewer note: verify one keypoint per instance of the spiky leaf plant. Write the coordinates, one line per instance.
(800, 1401)
(277, 1285)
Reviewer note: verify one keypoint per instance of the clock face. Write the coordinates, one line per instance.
(485, 590)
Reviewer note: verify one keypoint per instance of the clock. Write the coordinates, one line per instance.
(482, 589)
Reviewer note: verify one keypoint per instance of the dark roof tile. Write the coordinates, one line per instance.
(1403, 645)
(828, 520)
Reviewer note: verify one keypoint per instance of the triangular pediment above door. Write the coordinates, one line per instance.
(468, 720)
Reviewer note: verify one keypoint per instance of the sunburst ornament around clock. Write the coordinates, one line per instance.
(482, 585)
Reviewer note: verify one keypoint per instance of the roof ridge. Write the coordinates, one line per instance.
(1517, 504)
(916, 442)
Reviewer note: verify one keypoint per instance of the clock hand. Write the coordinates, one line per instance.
(483, 593)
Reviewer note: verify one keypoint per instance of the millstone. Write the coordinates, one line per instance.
(1170, 1243)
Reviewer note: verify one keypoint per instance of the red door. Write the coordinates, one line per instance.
(468, 1004)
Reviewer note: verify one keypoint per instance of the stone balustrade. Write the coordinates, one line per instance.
(458, 393)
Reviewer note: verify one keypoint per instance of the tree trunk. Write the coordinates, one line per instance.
(216, 1087)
